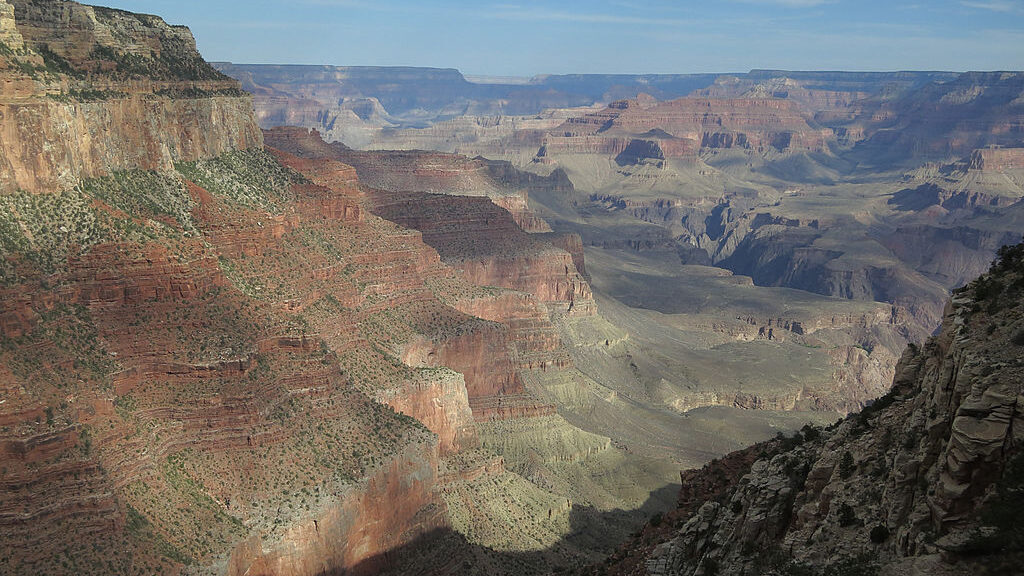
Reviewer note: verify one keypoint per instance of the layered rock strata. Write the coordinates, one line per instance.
(73, 100)
(914, 484)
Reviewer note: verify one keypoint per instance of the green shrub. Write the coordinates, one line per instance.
(846, 465)
(879, 534)
(847, 516)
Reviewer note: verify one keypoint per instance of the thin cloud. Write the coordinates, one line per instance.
(993, 5)
(544, 15)
(790, 3)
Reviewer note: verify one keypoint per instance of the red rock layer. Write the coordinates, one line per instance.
(483, 241)
(482, 352)
(535, 339)
(374, 519)
(472, 234)
(46, 146)
(204, 365)
(419, 171)
(680, 127)
(64, 475)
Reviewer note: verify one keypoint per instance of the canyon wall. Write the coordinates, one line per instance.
(186, 383)
(912, 484)
(50, 145)
(475, 235)
(99, 90)
(758, 123)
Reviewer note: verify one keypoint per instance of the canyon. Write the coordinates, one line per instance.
(923, 481)
(788, 178)
(223, 357)
(372, 320)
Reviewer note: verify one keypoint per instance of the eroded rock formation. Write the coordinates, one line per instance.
(911, 485)
(98, 90)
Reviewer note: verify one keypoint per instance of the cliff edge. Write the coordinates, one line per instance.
(85, 91)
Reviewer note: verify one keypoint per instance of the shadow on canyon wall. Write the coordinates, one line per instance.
(594, 534)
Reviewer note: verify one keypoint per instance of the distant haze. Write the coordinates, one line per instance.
(521, 38)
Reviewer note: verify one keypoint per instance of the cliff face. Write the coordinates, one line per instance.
(394, 505)
(920, 482)
(188, 375)
(480, 236)
(470, 231)
(944, 120)
(86, 91)
(50, 145)
(785, 255)
(645, 128)
(177, 401)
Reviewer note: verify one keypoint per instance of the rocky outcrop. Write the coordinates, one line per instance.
(387, 510)
(680, 127)
(99, 90)
(906, 486)
(429, 172)
(49, 145)
(479, 238)
(9, 34)
(440, 400)
(997, 159)
(533, 336)
(945, 120)
(785, 255)
(519, 335)
(550, 275)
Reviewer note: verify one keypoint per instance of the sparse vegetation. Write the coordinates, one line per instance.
(846, 465)
(250, 179)
(168, 64)
(86, 95)
(879, 534)
(847, 515)
(999, 541)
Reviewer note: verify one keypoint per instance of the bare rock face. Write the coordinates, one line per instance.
(913, 484)
(9, 34)
(483, 238)
(49, 146)
(518, 334)
(99, 90)
(945, 120)
(997, 159)
(644, 128)
(374, 519)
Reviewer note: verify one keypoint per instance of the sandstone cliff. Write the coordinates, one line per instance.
(86, 91)
(485, 238)
(183, 387)
(645, 128)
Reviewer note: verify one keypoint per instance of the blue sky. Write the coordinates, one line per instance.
(526, 37)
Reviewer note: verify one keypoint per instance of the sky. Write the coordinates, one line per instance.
(528, 37)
